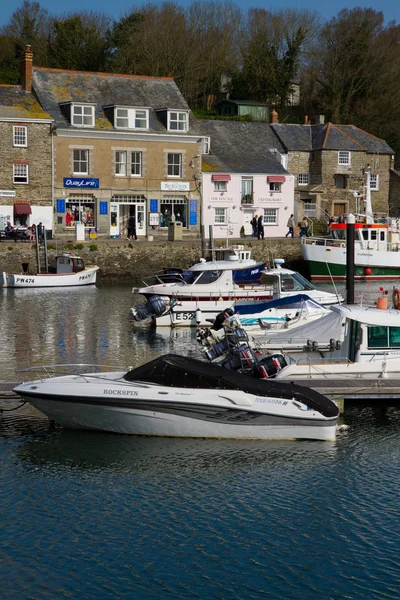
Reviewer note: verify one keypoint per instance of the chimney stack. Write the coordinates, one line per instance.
(318, 120)
(26, 70)
(273, 117)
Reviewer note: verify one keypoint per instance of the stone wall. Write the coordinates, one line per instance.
(37, 154)
(128, 263)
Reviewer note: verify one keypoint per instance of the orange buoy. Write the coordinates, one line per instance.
(382, 303)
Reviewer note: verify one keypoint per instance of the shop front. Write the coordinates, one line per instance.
(122, 207)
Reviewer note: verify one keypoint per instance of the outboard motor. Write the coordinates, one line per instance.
(269, 366)
(221, 317)
(154, 307)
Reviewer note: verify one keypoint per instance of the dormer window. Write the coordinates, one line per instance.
(177, 121)
(82, 115)
(206, 145)
(131, 118)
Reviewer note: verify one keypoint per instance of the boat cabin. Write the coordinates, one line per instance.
(68, 263)
(369, 236)
(285, 280)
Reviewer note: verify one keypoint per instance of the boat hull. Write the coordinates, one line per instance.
(172, 420)
(85, 277)
(329, 262)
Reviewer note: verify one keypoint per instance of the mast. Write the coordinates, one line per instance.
(368, 202)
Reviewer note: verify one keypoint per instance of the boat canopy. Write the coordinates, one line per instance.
(296, 301)
(321, 330)
(368, 315)
(184, 372)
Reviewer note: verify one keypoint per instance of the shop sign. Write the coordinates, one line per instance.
(221, 198)
(175, 186)
(7, 193)
(81, 182)
(270, 199)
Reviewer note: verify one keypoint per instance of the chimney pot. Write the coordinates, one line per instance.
(26, 70)
(273, 118)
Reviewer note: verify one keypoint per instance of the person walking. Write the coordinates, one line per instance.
(290, 225)
(260, 228)
(304, 227)
(132, 227)
(253, 224)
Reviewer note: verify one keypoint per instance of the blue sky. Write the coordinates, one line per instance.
(326, 8)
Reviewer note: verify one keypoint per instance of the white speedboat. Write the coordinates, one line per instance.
(211, 287)
(350, 343)
(182, 397)
(70, 271)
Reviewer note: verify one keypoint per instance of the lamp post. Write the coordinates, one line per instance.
(198, 188)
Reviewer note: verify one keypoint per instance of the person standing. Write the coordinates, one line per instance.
(253, 224)
(290, 225)
(260, 228)
(304, 228)
(132, 227)
(40, 232)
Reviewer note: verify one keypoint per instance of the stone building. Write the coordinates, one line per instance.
(330, 162)
(25, 155)
(123, 145)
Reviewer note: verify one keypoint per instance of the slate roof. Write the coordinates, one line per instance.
(15, 103)
(240, 147)
(306, 138)
(56, 86)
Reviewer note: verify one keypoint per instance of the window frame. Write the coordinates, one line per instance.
(131, 117)
(223, 214)
(341, 157)
(171, 165)
(140, 163)
(178, 120)
(276, 215)
(206, 145)
(302, 176)
(375, 187)
(80, 160)
(275, 186)
(118, 163)
(15, 135)
(83, 107)
(220, 186)
(17, 166)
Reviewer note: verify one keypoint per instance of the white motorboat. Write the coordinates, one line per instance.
(211, 287)
(70, 271)
(182, 397)
(351, 342)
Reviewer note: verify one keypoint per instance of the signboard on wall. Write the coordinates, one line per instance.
(81, 182)
(175, 186)
(154, 219)
(7, 193)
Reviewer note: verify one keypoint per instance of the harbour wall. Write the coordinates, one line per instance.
(124, 262)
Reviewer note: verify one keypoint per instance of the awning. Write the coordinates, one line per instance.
(220, 177)
(276, 179)
(22, 209)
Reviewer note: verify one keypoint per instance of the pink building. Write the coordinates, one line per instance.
(243, 176)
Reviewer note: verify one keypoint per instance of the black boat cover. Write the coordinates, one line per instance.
(181, 371)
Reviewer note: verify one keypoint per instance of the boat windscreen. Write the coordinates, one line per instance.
(184, 372)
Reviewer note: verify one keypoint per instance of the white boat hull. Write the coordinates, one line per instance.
(120, 407)
(85, 277)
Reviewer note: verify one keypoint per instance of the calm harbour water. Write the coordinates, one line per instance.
(95, 515)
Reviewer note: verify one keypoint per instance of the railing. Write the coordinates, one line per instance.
(43, 372)
(336, 243)
(247, 199)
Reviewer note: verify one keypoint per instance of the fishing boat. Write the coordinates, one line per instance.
(376, 249)
(70, 270)
(176, 396)
(211, 287)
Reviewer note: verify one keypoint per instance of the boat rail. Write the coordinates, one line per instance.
(341, 243)
(43, 372)
(159, 278)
